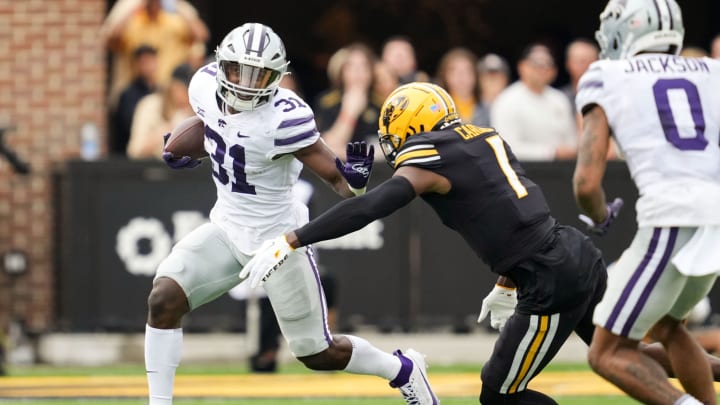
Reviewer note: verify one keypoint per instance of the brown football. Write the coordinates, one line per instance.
(187, 139)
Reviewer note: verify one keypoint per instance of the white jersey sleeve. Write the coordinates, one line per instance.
(294, 123)
(590, 88)
(201, 92)
(664, 113)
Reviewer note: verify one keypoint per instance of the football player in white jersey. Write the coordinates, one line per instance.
(258, 137)
(664, 112)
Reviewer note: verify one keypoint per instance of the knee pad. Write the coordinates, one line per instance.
(489, 396)
(304, 347)
(171, 264)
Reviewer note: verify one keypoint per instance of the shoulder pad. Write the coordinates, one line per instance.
(418, 151)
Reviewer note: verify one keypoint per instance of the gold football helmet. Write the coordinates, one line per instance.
(412, 109)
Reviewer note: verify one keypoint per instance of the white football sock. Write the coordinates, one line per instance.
(687, 399)
(163, 349)
(368, 359)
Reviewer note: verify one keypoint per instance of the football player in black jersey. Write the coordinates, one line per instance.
(471, 178)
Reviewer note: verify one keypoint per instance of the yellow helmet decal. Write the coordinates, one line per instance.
(395, 107)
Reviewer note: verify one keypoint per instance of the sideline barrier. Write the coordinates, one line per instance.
(117, 218)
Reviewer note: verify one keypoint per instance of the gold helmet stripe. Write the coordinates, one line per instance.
(442, 95)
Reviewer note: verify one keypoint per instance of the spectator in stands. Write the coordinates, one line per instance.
(198, 56)
(385, 80)
(579, 54)
(158, 113)
(145, 71)
(334, 66)
(693, 52)
(349, 111)
(399, 54)
(171, 30)
(458, 75)
(533, 117)
(493, 78)
(715, 47)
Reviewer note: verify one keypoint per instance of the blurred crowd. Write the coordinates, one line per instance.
(156, 45)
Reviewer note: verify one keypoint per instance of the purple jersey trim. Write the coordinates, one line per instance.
(633, 280)
(591, 84)
(296, 138)
(651, 283)
(648, 287)
(295, 122)
(326, 329)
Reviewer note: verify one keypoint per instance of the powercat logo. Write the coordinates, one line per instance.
(359, 168)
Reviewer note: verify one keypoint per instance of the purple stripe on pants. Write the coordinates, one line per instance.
(633, 280)
(326, 329)
(651, 283)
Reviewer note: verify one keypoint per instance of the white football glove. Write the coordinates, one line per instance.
(268, 259)
(500, 304)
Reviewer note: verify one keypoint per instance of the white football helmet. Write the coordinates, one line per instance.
(251, 61)
(628, 27)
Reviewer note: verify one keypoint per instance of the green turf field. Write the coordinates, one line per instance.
(232, 368)
(556, 378)
(367, 401)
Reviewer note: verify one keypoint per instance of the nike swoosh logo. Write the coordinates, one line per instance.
(239, 135)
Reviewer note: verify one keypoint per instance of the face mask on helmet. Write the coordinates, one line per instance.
(251, 61)
(412, 109)
(629, 27)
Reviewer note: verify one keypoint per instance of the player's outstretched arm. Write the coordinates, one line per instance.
(345, 217)
(591, 164)
(353, 214)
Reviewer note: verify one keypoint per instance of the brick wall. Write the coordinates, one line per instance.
(52, 80)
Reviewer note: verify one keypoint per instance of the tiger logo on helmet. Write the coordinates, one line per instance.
(412, 109)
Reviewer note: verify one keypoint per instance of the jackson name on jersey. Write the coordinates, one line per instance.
(664, 112)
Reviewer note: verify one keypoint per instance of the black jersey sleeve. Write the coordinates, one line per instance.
(354, 213)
